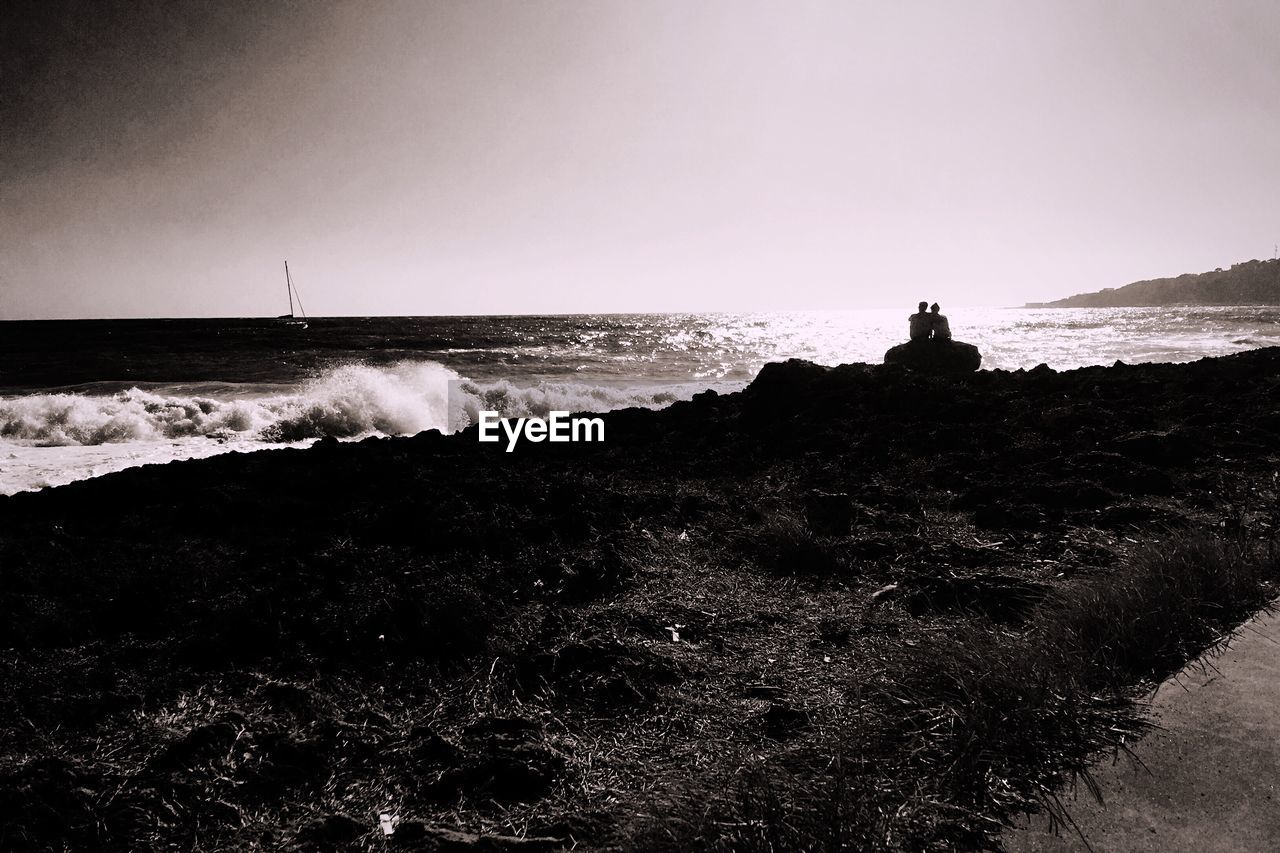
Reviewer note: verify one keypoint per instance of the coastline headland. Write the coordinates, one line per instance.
(1254, 282)
(852, 604)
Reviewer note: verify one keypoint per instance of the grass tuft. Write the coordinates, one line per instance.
(964, 730)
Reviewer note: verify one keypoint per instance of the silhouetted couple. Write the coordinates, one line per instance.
(928, 323)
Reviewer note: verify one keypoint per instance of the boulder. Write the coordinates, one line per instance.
(786, 375)
(935, 356)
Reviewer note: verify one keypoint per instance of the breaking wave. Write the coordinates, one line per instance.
(344, 402)
(515, 401)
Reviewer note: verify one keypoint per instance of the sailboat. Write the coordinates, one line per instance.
(291, 319)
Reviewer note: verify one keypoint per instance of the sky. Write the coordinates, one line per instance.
(164, 159)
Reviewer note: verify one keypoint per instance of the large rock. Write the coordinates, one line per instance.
(936, 356)
(786, 375)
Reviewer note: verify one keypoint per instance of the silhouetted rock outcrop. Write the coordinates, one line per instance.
(936, 356)
(475, 628)
(782, 375)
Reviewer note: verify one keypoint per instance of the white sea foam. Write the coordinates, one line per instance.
(133, 415)
(345, 402)
(55, 438)
(518, 401)
(358, 399)
(26, 467)
(532, 366)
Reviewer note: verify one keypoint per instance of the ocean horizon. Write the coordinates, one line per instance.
(79, 398)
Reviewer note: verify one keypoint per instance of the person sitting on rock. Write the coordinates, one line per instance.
(939, 326)
(921, 323)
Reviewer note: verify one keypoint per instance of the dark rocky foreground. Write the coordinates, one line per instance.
(826, 611)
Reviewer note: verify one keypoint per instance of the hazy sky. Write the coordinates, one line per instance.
(513, 157)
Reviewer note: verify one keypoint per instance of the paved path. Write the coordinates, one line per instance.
(1212, 775)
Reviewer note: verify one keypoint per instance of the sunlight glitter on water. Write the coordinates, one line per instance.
(336, 382)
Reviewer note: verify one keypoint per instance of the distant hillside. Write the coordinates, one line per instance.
(1247, 283)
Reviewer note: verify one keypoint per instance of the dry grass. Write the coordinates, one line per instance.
(618, 663)
(947, 738)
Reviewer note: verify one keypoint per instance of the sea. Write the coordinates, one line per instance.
(81, 398)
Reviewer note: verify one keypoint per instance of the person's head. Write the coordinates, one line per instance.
(934, 307)
(924, 306)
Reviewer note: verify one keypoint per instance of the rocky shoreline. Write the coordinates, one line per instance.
(765, 620)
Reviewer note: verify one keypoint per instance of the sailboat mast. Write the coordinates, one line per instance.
(288, 283)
